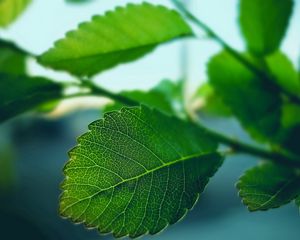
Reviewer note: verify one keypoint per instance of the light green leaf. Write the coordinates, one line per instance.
(120, 36)
(12, 59)
(283, 72)
(251, 100)
(166, 97)
(264, 23)
(10, 10)
(21, 93)
(136, 171)
(268, 186)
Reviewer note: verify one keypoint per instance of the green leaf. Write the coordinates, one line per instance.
(166, 97)
(10, 10)
(291, 125)
(251, 100)
(12, 59)
(264, 23)
(136, 171)
(120, 36)
(283, 72)
(19, 94)
(210, 102)
(268, 186)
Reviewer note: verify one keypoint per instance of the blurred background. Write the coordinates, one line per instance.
(33, 150)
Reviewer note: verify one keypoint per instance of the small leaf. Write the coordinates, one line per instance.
(19, 94)
(119, 36)
(136, 171)
(12, 59)
(251, 100)
(264, 23)
(283, 72)
(268, 186)
(10, 10)
(210, 102)
(164, 97)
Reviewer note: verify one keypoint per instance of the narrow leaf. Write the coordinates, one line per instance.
(19, 94)
(264, 23)
(268, 186)
(120, 36)
(136, 171)
(10, 10)
(251, 100)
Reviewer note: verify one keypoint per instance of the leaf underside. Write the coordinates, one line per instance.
(136, 171)
(119, 36)
(268, 186)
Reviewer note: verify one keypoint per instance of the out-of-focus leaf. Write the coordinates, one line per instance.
(12, 59)
(210, 102)
(283, 72)
(145, 171)
(291, 126)
(10, 10)
(251, 100)
(264, 23)
(166, 97)
(19, 94)
(120, 36)
(268, 186)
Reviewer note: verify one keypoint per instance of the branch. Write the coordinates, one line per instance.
(254, 69)
(277, 157)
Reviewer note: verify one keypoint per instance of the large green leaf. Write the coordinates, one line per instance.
(283, 72)
(136, 171)
(166, 97)
(12, 59)
(119, 36)
(21, 93)
(264, 23)
(251, 100)
(10, 10)
(268, 186)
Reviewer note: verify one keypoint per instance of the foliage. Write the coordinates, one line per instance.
(144, 164)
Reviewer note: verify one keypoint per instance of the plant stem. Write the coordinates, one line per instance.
(255, 70)
(277, 157)
(96, 90)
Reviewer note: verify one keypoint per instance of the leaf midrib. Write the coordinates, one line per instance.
(186, 158)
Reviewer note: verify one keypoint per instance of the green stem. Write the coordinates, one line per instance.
(277, 157)
(97, 90)
(255, 70)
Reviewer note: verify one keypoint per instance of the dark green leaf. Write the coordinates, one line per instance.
(251, 100)
(264, 23)
(268, 186)
(10, 10)
(12, 59)
(283, 72)
(136, 171)
(19, 94)
(119, 36)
